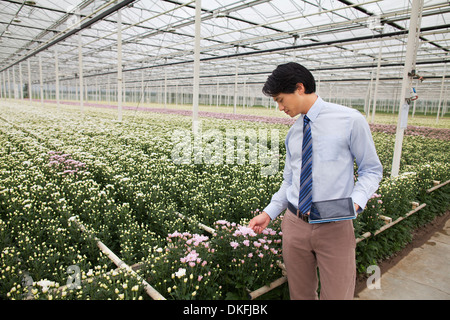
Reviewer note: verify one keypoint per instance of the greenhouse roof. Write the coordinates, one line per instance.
(339, 40)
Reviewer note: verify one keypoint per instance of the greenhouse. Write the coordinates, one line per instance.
(137, 144)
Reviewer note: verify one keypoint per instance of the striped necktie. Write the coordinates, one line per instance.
(305, 197)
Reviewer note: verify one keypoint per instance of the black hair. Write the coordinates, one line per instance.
(285, 77)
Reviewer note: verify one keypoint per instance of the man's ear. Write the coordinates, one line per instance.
(300, 88)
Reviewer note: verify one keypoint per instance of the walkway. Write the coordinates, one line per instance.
(424, 274)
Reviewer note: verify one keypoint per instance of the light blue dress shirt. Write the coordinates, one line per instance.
(340, 135)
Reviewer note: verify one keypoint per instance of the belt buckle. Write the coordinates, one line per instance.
(304, 217)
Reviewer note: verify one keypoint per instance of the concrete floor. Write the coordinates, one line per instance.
(424, 274)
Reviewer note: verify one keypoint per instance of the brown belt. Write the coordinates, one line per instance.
(296, 212)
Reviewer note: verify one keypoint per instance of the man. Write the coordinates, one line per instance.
(335, 136)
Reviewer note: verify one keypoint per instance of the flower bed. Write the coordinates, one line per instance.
(120, 181)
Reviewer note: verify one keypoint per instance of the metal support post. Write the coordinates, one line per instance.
(41, 82)
(20, 81)
(377, 80)
(217, 93)
(15, 85)
(80, 71)
(441, 96)
(196, 88)
(410, 62)
(119, 64)
(165, 87)
(236, 82)
(57, 78)
(108, 89)
(368, 96)
(9, 84)
(29, 81)
(141, 98)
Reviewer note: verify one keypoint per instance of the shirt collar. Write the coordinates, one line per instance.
(315, 109)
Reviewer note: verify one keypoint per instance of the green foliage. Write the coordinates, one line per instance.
(120, 181)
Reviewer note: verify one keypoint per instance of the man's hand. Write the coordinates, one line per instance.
(260, 222)
(356, 208)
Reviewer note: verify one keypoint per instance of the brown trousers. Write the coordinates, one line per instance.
(328, 246)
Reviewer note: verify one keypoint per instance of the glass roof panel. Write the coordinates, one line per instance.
(338, 39)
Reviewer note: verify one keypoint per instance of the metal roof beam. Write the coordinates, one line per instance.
(83, 25)
(391, 23)
(282, 49)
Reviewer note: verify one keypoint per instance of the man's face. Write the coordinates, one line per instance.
(291, 103)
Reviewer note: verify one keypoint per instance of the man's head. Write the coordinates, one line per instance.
(292, 86)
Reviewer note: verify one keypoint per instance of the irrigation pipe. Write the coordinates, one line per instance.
(259, 292)
(438, 186)
(118, 262)
(399, 219)
(200, 225)
(387, 226)
(386, 219)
